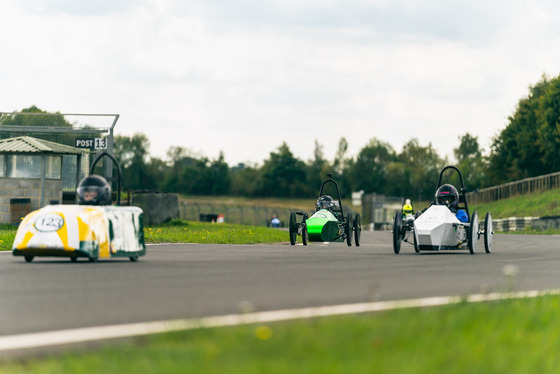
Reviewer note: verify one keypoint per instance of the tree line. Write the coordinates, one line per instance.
(377, 168)
(529, 145)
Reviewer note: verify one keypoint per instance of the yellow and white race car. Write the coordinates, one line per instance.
(76, 231)
(93, 229)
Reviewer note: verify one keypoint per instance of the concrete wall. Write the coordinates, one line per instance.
(157, 207)
(11, 188)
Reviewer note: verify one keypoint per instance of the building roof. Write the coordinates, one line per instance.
(28, 144)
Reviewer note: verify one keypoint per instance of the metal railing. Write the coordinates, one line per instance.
(524, 186)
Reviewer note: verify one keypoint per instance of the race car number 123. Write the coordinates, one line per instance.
(49, 222)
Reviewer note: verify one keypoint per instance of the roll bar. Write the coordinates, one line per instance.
(462, 191)
(119, 179)
(331, 180)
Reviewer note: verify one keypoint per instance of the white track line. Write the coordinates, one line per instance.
(88, 334)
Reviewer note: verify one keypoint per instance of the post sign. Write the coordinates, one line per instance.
(96, 143)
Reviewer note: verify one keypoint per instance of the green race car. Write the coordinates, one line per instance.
(328, 223)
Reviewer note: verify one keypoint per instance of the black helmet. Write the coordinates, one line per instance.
(94, 190)
(447, 195)
(325, 202)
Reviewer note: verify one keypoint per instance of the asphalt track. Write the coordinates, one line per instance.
(193, 280)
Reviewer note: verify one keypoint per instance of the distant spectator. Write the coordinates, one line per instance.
(274, 222)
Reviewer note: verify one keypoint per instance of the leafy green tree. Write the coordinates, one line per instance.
(35, 123)
(340, 162)
(200, 177)
(369, 171)
(195, 178)
(179, 159)
(244, 180)
(52, 120)
(471, 162)
(282, 175)
(398, 180)
(317, 170)
(530, 143)
(421, 165)
(219, 176)
(132, 154)
(548, 126)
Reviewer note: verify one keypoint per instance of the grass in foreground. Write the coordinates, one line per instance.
(179, 231)
(7, 235)
(518, 336)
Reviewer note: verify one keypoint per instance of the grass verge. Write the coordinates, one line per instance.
(531, 205)
(179, 231)
(519, 336)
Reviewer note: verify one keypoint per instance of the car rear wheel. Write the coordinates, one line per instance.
(397, 228)
(304, 234)
(488, 233)
(357, 229)
(416, 246)
(28, 258)
(473, 233)
(293, 228)
(348, 229)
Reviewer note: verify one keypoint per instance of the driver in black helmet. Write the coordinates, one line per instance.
(447, 195)
(94, 190)
(325, 202)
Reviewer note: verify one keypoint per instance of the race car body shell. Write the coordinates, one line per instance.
(81, 231)
(438, 228)
(323, 226)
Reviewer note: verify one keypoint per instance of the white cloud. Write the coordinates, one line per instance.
(243, 76)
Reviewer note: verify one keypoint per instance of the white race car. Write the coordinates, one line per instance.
(445, 225)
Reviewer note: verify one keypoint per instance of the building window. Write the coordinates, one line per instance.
(31, 166)
(53, 167)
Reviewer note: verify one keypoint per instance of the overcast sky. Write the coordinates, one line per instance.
(243, 76)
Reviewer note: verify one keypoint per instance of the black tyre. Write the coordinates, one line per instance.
(488, 233)
(28, 258)
(397, 232)
(473, 233)
(293, 228)
(304, 235)
(133, 258)
(73, 258)
(416, 246)
(348, 229)
(357, 229)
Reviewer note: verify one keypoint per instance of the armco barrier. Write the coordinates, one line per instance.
(520, 223)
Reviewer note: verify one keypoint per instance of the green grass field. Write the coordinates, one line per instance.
(179, 231)
(509, 336)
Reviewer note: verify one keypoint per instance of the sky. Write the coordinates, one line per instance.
(242, 77)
